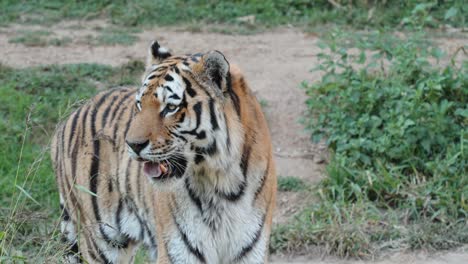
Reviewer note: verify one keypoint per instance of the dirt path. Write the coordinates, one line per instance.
(457, 257)
(275, 63)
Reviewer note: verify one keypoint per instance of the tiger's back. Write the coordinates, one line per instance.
(220, 206)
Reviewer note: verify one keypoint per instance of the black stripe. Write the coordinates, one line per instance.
(194, 250)
(214, 121)
(120, 102)
(233, 95)
(210, 151)
(118, 216)
(145, 226)
(246, 249)
(176, 69)
(105, 114)
(181, 162)
(193, 195)
(168, 78)
(168, 88)
(138, 184)
(201, 135)
(174, 96)
(178, 136)
(151, 77)
(127, 126)
(75, 251)
(244, 165)
(199, 158)
(74, 159)
(171, 258)
(128, 186)
(216, 77)
(197, 108)
(85, 120)
(72, 130)
(94, 171)
(110, 187)
(262, 181)
(181, 118)
(228, 136)
(235, 102)
(116, 129)
(188, 87)
(65, 215)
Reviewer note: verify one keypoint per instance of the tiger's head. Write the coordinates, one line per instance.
(177, 112)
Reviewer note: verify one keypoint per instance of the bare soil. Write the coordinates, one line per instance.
(275, 63)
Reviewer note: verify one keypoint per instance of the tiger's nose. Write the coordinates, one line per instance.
(137, 146)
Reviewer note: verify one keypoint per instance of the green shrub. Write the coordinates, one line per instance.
(396, 123)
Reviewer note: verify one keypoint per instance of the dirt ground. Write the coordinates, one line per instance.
(275, 63)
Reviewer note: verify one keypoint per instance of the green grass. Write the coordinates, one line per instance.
(268, 13)
(396, 124)
(39, 38)
(291, 184)
(32, 102)
(263, 103)
(117, 36)
(105, 36)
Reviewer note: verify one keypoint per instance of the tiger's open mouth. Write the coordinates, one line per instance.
(157, 171)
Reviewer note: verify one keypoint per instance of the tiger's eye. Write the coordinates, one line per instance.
(171, 107)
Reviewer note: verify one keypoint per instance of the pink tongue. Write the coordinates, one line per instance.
(152, 169)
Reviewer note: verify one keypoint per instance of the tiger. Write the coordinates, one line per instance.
(181, 166)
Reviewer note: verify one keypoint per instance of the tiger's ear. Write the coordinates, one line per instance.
(214, 67)
(156, 54)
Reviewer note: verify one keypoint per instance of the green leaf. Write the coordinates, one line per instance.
(27, 194)
(451, 13)
(84, 189)
(322, 45)
(462, 112)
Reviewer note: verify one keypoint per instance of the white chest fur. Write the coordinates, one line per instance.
(216, 230)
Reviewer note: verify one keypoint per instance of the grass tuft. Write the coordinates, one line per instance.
(291, 184)
(39, 38)
(115, 36)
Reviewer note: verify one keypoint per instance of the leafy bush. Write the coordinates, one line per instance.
(401, 127)
(396, 124)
